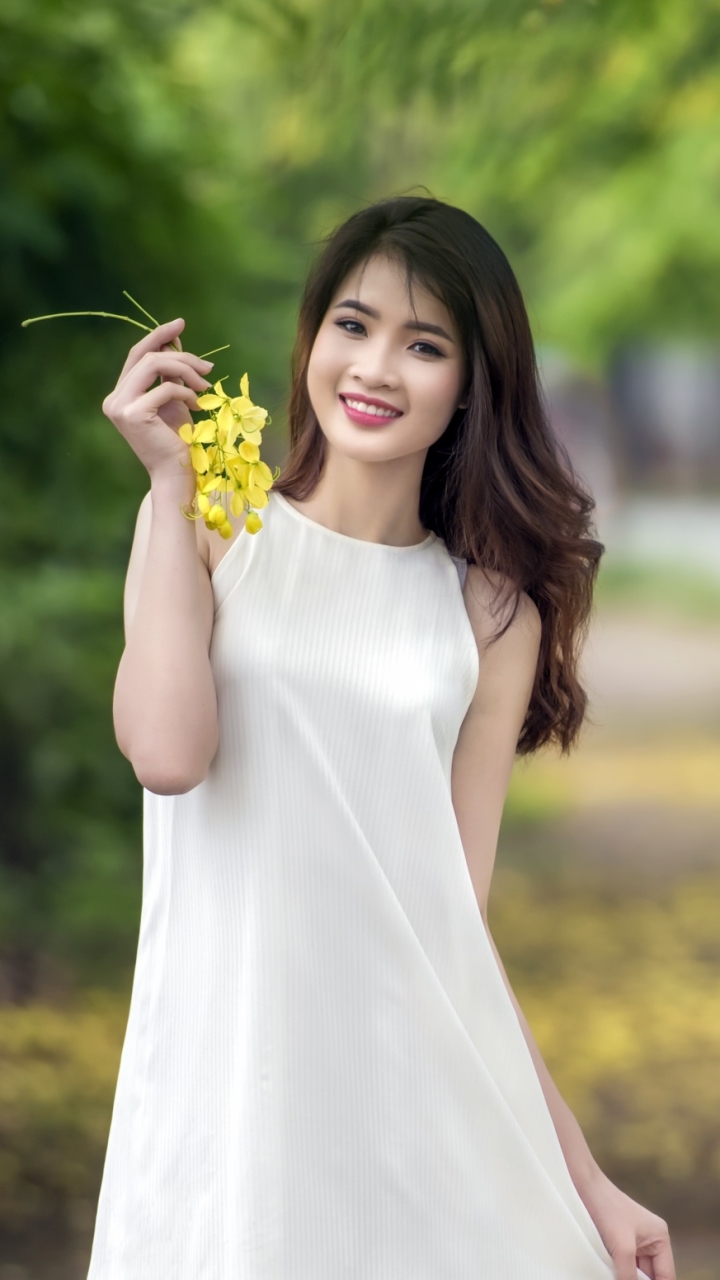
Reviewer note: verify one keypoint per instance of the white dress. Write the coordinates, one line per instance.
(323, 1075)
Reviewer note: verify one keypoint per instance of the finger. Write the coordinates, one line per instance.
(172, 348)
(663, 1263)
(162, 364)
(165, 333)
(150, 358)
(131, 415)
(626, 1266)
(151, 401)
(185, 360)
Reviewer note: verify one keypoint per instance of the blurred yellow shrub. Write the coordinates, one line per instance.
(57, 1078)
(681, 770)
(623, 996)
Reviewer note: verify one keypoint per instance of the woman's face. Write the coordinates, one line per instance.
(371, 347)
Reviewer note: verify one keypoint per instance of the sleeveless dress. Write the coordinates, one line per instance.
(323, 1076)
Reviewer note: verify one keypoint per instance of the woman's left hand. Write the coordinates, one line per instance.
(635, 1238)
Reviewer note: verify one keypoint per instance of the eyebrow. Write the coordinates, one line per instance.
(415, 325)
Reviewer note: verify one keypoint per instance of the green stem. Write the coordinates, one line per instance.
(109, 315)
(215, 350)
(137, 304)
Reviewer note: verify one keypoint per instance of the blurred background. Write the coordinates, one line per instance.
(195, 155)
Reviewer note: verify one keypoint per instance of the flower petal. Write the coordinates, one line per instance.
(262, 475)
(254, 419)
(209, 401)
(199, 458)
(256, 496)
(225, 417)
(238, 468)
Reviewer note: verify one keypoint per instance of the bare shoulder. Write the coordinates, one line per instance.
(490, 599)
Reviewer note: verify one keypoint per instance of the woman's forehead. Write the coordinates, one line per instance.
(381, 278)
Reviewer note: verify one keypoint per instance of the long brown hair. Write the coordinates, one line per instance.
(496, 486)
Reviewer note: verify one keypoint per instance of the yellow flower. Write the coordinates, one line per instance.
(236, 415)
(216, 515)
(258, 482)
(203, 432)
(210, 401)
(226, 456)
(256, 496)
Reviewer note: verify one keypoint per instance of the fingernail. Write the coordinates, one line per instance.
(207, 364)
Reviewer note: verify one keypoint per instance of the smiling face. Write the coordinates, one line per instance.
(384, 379)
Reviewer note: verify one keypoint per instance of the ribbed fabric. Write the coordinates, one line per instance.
(323, 1075)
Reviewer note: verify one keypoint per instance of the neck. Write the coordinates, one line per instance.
(373, 501)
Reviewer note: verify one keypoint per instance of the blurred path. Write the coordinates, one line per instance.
(640, 796)
(650, 670)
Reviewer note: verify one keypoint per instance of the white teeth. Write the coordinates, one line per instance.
(373, 409)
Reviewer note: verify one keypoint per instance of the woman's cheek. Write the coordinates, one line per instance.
(324, 370)
(439, 397)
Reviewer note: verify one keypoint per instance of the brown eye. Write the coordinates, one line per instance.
(431, 350)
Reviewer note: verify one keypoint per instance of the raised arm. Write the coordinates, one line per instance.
(164, 705)
(482, 764)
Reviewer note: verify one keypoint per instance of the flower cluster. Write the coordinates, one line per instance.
(225, 454)
(224, 447)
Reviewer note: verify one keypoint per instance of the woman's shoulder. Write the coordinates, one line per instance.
(491, 598)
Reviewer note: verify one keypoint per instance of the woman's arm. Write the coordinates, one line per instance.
(164, 705)
(482, 765)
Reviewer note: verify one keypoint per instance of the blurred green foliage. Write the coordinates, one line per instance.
(194, 155)
(659, 591)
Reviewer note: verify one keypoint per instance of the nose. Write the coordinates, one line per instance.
(374, 367)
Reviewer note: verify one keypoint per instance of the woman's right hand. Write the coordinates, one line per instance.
(149, 416)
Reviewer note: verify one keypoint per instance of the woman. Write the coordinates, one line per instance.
(325, 1072)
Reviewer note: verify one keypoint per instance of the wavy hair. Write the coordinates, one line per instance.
(497, 486)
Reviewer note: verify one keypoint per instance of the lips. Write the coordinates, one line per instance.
(370, 419)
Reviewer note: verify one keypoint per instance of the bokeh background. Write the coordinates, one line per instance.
(195, 154)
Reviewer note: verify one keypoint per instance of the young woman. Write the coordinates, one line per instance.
(325, 1073)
